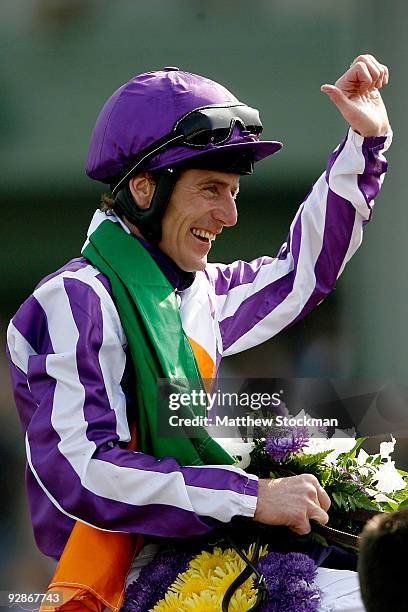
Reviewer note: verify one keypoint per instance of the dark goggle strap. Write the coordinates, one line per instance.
(198, 128)
(251, 568)
(149, 220)
(145, 155)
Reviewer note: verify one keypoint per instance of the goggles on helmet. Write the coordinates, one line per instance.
(199, 128)
(214, 124)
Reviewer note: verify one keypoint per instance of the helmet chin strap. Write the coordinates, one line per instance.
(149, 220)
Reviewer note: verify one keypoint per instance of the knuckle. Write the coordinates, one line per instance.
(311, 478)
(361, 65)
(310, 490)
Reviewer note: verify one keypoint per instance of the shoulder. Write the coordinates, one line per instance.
(76, 289)
(78, 269)
(77, 283)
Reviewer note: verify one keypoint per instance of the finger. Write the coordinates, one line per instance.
(319, 515)
(302, 528)
(375, 68)
(385, 77)
(364, 76)
(337, 97)
(369, 60)
(311, 477)
(381, 81)
(381, 68)
(320, 496)
(357, 80)
(324, 499)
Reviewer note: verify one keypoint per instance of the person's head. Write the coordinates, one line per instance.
(382, 562)
(172, 146)
(201, 205)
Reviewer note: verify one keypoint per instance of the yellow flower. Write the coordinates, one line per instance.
(262, 551)
(205, 602)
(172, 602)
(190, 582)
(241, 602)
(205, 563)
(202, 586)
(223, 578)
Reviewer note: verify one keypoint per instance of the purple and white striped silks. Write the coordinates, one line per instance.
(67, 351)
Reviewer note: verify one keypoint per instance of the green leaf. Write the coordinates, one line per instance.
(342, 458)
(305, 460)
(338, 499)
(389, 506)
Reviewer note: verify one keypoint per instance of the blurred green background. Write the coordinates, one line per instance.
(61, 59)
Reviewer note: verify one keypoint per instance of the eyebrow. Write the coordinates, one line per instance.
(218, 181)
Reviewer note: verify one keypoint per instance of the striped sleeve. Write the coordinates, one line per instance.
(68, 344)
(256, 300)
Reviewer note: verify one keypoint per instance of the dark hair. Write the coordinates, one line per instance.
(382, 562)
(107, 203)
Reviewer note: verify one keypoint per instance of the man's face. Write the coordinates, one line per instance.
(202, 204)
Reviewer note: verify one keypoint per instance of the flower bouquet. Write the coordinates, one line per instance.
(217, 575)
(359, 484)
(181, 582)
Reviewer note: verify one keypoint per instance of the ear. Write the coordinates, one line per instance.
(142, 188)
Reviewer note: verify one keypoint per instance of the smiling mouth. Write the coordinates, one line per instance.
(203, 235)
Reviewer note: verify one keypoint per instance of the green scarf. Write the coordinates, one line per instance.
(159, 348)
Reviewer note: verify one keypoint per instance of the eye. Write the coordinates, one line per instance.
(212, 189)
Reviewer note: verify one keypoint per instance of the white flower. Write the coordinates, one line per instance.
(389, 479)
(362, 456)
(387, 448)
(237, 447)
(380, 497)
(361, 460)
(338, 444)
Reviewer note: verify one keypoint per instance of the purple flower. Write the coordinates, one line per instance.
(289, 580)
(355, 479)
(154, 580)
(286, 440)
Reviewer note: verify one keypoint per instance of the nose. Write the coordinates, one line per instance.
(226, 212)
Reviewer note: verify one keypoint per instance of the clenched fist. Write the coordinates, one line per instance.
(292, 502)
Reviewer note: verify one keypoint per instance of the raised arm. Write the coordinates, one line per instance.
(356, 95)
(257, 300)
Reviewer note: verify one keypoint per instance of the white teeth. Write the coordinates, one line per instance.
(203, 234)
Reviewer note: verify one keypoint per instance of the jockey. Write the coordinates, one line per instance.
(142, 303)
